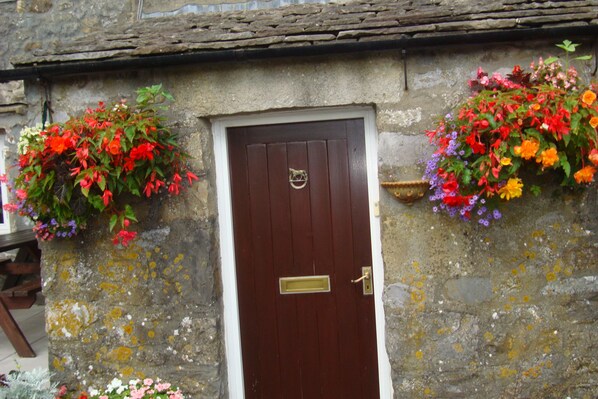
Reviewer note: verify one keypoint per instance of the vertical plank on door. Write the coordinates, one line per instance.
(302, 233)
(324, 263)
(282, 245)
(346, 270)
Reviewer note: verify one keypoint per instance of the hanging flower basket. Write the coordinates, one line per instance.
(69, 173)
(541, 121)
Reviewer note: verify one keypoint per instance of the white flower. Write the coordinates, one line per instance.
(27, 136)
(115, 384)
(94, 392)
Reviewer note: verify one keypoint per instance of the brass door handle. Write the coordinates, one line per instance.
(366, 276)
(366, 280)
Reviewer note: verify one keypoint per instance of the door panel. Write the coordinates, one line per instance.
(308, 345)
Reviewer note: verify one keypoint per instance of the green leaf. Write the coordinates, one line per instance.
(466, 177)
(85, 191)
(535, 190)
(550, 60)
(566, 166)
(113, 221)
(568, 46)
(130, 133)
(583, 57)
(129, 214)
(102, 184)
(97, 202)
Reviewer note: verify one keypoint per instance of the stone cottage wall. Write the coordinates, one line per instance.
(26, 24)
(471, 312)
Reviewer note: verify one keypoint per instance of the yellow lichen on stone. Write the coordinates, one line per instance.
(513, 354)
(418, 296)
(179, 258)
(58, 363)
(506, 372)
(557, 267)
(550, 276)
(529, 254)
(533, 372)
(419, 355)
(121, 354)
(68, 318)
(111, 288)
(488, 336)
(458, 347)
(127, 371)
(64, 275)
(151, 334)
(111, 317)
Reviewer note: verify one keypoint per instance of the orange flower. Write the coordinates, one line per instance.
(58, 144)
(593, 157)
(594, 122)
(114, 146)
(528, 149)
(548, 157)
(588, 97)
(585, 175)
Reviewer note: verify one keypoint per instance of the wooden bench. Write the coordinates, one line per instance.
(22, 296)
(21, 285)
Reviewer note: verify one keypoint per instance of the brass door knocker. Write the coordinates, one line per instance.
(297, 178)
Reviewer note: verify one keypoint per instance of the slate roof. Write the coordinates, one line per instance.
(312, 25)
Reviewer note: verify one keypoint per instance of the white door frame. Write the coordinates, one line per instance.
(232, 331)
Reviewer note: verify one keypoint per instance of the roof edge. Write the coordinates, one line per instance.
(66, 69)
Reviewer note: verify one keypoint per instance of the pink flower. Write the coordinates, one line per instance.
(21, 194)
(161, 387)
(10, 207)
(138, 393)
(3, 178)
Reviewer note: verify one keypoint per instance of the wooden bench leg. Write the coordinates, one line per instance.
(14, 333)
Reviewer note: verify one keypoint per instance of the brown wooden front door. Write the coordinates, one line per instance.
(303, 345)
